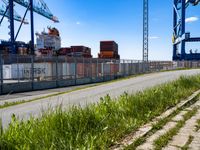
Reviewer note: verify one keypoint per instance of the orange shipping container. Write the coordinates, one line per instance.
(107, 53)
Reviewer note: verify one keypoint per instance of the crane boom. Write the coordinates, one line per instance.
(39, 7)
(4, 11)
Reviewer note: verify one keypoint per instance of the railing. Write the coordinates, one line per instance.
(19, 73)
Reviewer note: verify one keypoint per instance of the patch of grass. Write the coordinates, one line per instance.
(159, 125)
(198, 125)
(186, 146)
(136, 143)
(97, 126)
(163, 140)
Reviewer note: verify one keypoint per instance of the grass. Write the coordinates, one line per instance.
(96, 126)
(163, 140)
(186, 146)
(198, 125)
(159, 125)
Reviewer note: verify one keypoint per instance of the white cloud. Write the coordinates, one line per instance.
(78, 23)
(153, 37)
(191, 19)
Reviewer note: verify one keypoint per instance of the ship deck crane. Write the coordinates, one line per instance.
(180, 37)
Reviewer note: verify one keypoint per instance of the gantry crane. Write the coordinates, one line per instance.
(39, 7)
(4, 12)
(145, 30)
(180, 37)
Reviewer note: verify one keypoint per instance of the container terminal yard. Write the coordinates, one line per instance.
(43, 73)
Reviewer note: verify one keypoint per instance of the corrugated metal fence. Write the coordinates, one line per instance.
(20, 73)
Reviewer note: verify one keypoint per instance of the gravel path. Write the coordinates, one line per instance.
(93, 94)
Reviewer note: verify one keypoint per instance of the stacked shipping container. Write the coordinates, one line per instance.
(109, 50)
(76, 51)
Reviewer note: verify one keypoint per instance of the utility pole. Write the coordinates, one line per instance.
(145, 30)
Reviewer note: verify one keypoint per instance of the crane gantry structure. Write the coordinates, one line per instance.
(145, 30)
(37, 6)
(180, 37)
(4, 12)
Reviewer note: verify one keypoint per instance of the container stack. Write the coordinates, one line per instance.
(22, 51)
(76, 51)
(21, 48)
(65, 51)
(81, 51)
(108, 50)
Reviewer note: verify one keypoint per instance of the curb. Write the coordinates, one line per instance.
(142, 131)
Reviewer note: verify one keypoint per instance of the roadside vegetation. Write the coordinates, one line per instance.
(163, 140)
(96, 126)
(160, 124)
(198, 125)
(186, 146)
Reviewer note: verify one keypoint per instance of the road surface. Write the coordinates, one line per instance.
(93, 94)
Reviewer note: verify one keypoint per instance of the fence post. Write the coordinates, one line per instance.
(124, 66)
(84, 74)
(97, 75)
(91, 69)
(102, 69)
(1, 73)
(75, 71)
(56, 71)
(110, 69)
(131, 67)
(138, 67)
(18, 69)
(32, 71)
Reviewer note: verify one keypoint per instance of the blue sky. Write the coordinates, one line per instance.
(86, 22)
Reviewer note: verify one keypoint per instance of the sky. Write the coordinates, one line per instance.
(87, 22)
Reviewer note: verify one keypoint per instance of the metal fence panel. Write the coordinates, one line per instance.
(25, 72)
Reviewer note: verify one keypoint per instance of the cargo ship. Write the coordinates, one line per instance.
(48, 43)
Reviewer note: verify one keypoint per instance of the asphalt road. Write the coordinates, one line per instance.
(92, 95)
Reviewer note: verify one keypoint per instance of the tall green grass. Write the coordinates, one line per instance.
(96, 126)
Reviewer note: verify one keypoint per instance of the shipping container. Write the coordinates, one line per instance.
(108, 45)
